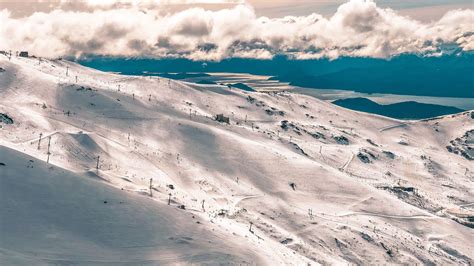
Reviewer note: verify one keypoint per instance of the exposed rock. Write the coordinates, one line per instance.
(341, 140)
(297, 147)
(316, 135)
(4, 118)
(388, 250)
(406, 189)
(366, 237)
(286, 241)
(463, 146)
(372, 142)
(222, 212)
(284, 124)
(273, 112)
(82, 88)
(251, 99)
(389, 154)
(403, 142)
(363, 157)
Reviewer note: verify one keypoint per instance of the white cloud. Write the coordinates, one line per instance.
(358, 28)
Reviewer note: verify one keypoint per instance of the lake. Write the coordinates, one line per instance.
(262, 84)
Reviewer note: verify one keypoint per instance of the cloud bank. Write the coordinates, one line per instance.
(359, 28)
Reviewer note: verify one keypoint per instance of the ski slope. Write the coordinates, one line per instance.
(291, 180)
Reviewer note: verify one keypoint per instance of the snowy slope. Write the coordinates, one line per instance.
(53, 215)
(393, 194)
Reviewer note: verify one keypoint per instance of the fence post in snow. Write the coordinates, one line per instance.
(151, 187)
(39, 141)
(49, 145)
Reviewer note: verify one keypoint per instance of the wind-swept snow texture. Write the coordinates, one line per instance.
(291, 179)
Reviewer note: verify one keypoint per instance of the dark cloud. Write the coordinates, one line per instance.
(193, 28)
(363, 20)
(111, 31)
(207, 47)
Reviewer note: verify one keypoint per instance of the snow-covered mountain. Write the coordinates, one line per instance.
(139, 171)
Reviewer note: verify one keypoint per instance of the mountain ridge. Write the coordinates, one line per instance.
(401, 110)
(289, 180)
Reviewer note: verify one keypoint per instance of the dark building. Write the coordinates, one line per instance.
(223, 119)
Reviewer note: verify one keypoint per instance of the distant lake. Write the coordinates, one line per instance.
(262, 83)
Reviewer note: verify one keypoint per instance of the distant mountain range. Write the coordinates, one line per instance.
(402, 110)
(444, 76)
